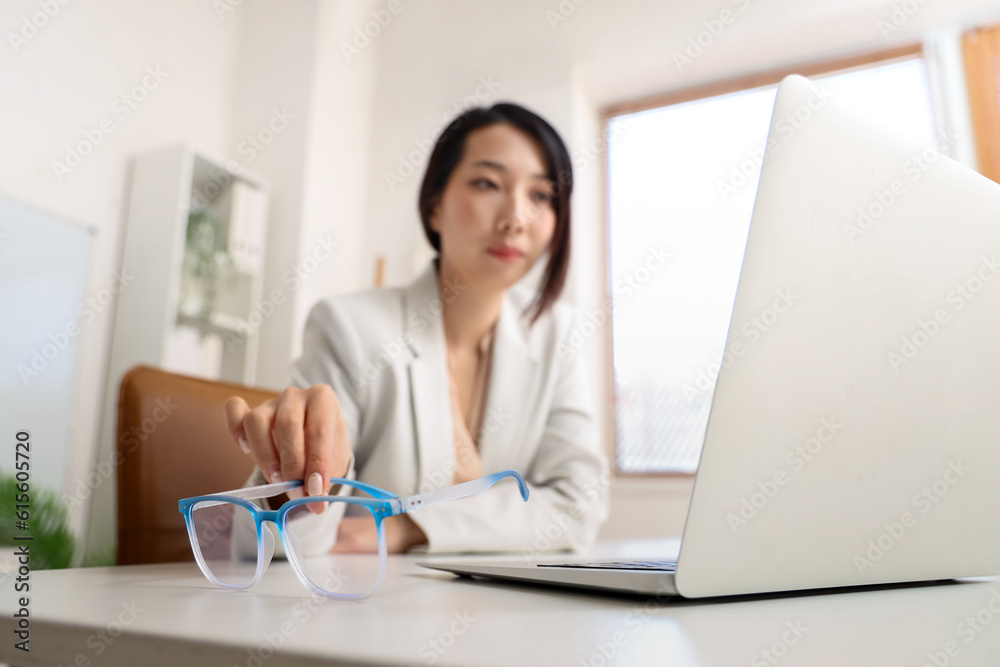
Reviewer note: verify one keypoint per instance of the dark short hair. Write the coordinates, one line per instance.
(447, 154)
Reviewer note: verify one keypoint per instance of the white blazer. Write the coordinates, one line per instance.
(383, 352)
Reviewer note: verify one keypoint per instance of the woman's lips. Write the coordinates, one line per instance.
(505, 253)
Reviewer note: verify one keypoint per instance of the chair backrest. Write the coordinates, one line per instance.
(172, 444)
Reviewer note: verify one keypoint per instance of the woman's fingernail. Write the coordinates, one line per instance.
(315, 484)
(275, 477)
(244, 445)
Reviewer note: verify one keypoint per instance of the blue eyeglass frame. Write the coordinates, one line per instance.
(382, 505)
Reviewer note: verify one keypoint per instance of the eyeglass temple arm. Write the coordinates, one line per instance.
(271, 490)
(463, 490)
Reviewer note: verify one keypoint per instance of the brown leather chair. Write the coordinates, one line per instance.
(172, 444)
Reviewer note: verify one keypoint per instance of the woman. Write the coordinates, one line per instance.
(455, 375)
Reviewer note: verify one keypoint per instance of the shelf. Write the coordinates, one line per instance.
(220, 324)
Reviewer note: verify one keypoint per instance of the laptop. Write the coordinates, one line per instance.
(857, 440)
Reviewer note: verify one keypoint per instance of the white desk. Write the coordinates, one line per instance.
(171, 616)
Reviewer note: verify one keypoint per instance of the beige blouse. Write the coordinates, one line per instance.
(468, 465)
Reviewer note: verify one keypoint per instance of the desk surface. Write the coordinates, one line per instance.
(169, 615)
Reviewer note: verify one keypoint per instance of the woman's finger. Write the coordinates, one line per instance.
(322, 418)
(289, 421)
(257, 426)
(235, 410)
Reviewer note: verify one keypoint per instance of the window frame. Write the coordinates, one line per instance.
(688, 94)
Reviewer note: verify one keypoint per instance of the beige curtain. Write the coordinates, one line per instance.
(981, 49)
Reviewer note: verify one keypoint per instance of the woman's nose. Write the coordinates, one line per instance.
(515, 214)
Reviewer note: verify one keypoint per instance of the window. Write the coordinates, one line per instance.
(681, 181)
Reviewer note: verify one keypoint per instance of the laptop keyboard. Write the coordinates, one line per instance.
(646, 565)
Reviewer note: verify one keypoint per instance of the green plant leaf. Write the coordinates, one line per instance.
(52, 545)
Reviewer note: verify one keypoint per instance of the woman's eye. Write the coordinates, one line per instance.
(543, 198)
(484, 183)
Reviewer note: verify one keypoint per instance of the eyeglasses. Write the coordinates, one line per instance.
(233, 547)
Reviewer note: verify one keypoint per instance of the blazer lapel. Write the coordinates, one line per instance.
(512, 385)
(428, 371)
(512, 391)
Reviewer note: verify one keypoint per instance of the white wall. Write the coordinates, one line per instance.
(339, 138)
(61, 83)
(290, 58)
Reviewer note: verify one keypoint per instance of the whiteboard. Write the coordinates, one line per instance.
(44, 270)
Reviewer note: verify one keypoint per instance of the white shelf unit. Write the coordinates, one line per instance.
(153, 324)
(151, 327)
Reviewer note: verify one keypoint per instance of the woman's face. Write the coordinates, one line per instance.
(495, 215)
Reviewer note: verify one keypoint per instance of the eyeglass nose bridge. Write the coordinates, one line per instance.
(265, 547)
(267, 515)
(265, 542)
(265, 537)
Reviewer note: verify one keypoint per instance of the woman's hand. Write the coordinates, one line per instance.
(299, 435)
(357, 534)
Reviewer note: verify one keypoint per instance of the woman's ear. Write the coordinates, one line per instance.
(433, 218)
